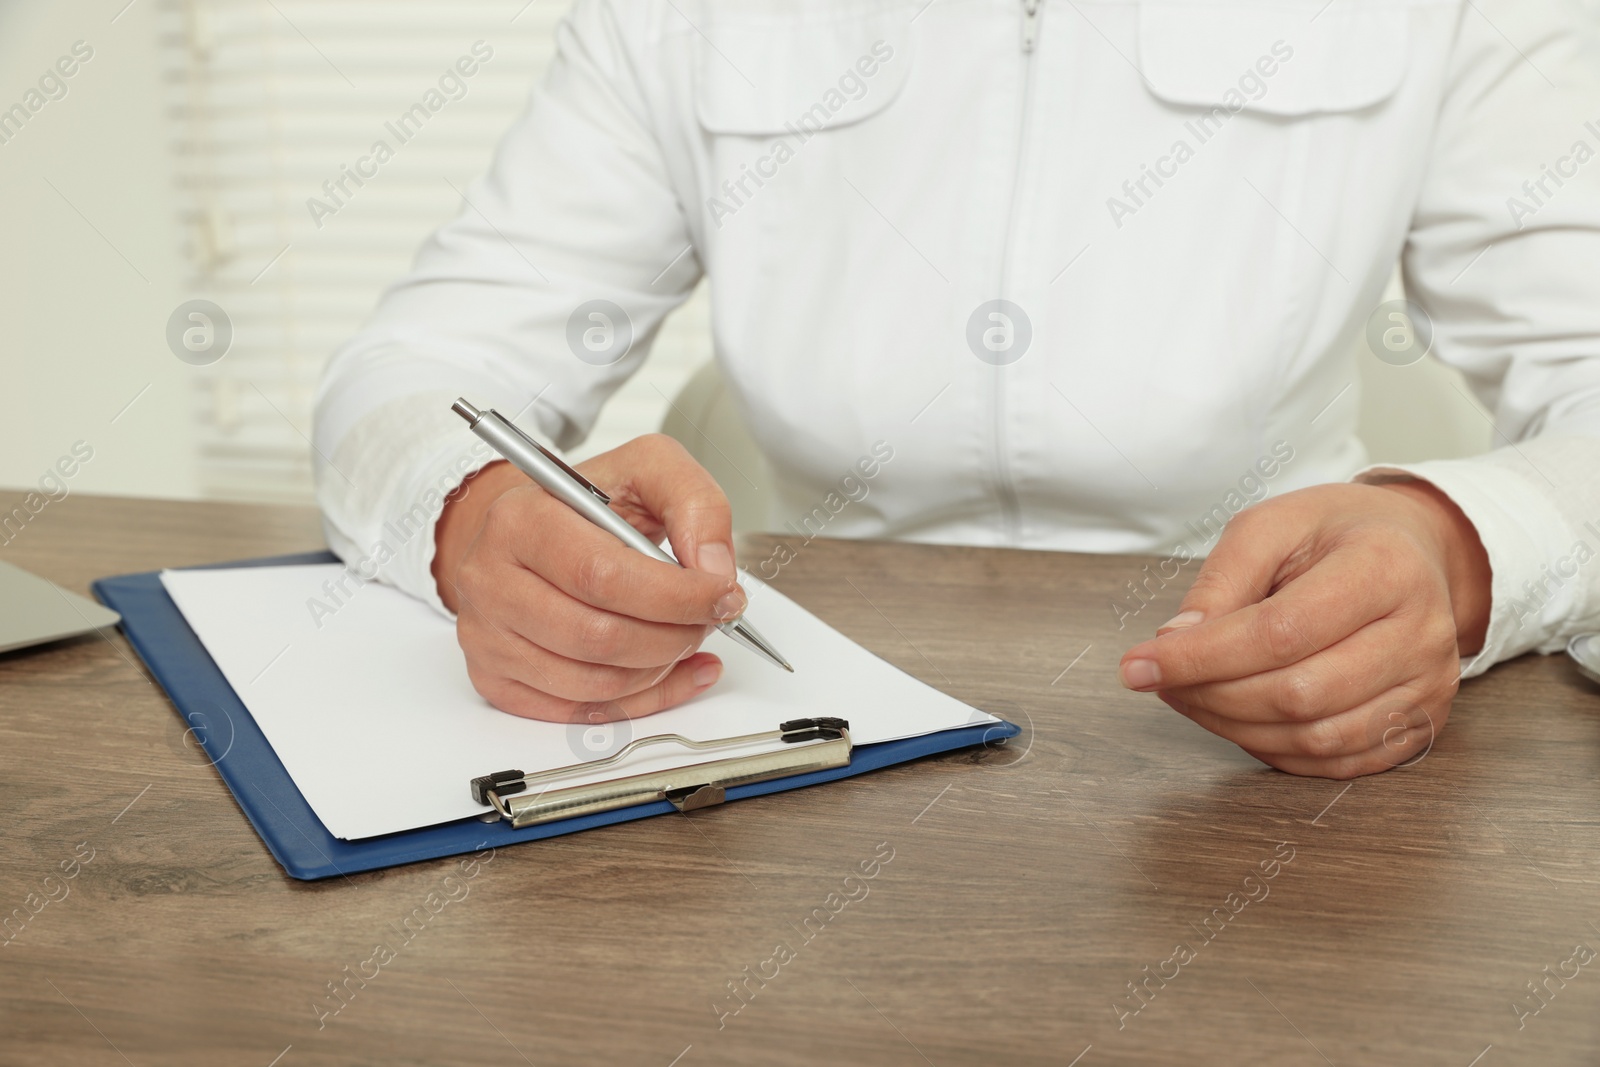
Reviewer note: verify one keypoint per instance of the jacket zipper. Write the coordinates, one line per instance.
(1005, 491)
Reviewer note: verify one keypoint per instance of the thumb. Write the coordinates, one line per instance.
(689, 502)
(1241, 570)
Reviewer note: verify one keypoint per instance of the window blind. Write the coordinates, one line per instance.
(270, 100)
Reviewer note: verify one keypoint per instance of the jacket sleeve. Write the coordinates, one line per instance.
(507, 305)
(1504, 256)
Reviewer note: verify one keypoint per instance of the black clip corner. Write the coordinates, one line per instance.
(824, 729)
(495, 782)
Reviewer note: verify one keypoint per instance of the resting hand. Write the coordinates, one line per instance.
(1323, 632)
(561, 621)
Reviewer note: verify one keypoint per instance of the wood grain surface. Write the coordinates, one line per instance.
(1014, 894)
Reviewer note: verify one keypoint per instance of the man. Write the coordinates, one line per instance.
(1089, 270)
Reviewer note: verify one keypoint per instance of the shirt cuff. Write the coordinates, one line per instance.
(384, 489)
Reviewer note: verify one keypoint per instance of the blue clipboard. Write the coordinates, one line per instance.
(274, 805)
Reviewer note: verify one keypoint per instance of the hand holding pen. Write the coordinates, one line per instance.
(559, 618)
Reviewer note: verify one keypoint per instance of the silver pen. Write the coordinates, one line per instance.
(581, 495)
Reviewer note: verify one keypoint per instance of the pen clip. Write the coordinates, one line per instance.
(553, 458)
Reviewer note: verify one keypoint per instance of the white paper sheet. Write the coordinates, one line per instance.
(371, 710)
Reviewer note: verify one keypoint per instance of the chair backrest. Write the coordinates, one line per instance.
(705, 420)
(1417, 412)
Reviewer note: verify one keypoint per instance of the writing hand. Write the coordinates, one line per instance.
(561, 621)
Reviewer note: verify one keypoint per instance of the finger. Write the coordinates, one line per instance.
(682, 681)
(1245, 564)
(1351, 672)
(1306, 615)
(686, 679)
(1241, 570)
(494, 651)
(589, 565)
(1382, 723)
(524, 604)
(667, 483)
(1417, 742)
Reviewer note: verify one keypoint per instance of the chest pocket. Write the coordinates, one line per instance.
(1273, 59)
(793, 68)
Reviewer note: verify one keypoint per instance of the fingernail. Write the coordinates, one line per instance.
(707, 674)
(730, 606)
(1181, 620)
(1141, 674)
(715, 558)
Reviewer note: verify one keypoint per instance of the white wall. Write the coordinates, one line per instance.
(81, 332)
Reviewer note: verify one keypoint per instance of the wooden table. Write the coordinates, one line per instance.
(1018, 891)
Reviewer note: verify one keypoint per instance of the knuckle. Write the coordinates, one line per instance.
(706, 509)
(1392, 725)
(1279, 635)
(1411, 743)
(484, 682)
(1301, 697)
(600, 636)
(687, 604)
(1444, 639)
(501, 520)
(1321, 739)
(595, 576)
(469, 574)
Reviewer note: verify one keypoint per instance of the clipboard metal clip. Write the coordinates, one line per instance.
(818, 744)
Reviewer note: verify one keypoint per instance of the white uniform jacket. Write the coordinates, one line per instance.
(1089, 272)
